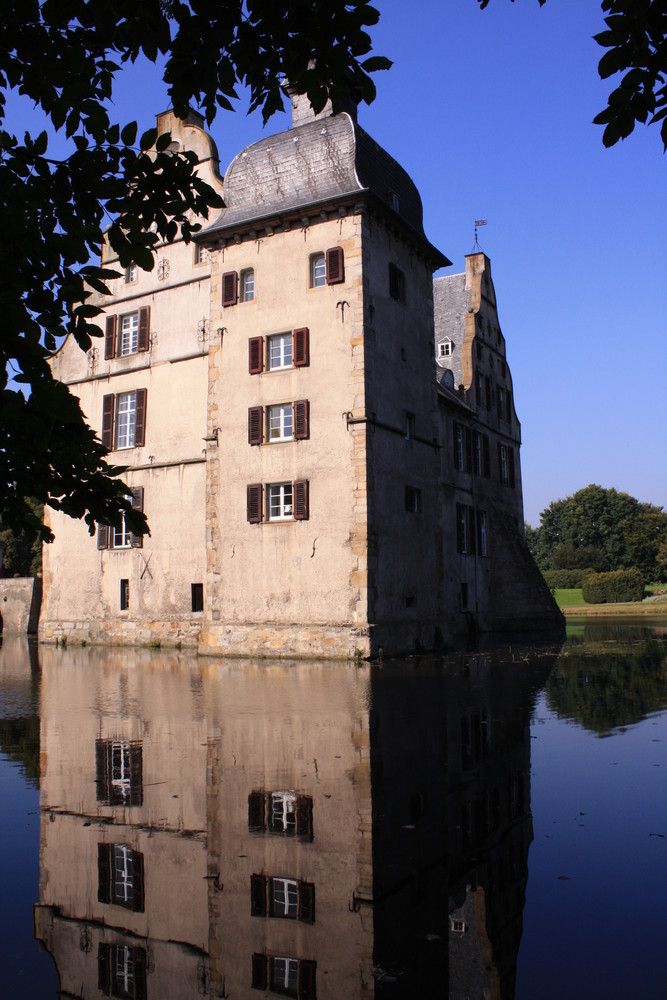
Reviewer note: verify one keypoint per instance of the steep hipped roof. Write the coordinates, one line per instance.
(325, 160)
(450, 302)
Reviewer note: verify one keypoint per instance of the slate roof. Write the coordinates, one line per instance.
(324, 160)
(450, 303)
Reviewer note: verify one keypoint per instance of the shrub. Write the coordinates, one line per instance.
(610, 588)
(565, 579)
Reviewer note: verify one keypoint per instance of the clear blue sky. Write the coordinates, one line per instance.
(491, 114)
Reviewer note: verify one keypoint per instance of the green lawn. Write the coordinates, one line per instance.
(566, 598)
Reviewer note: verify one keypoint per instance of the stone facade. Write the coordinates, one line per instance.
(297, 458)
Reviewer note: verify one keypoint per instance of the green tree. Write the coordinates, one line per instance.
(635, 39)
(65, 56)
(602, 529)
(22, 552)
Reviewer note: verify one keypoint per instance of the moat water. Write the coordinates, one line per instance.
(484, 825)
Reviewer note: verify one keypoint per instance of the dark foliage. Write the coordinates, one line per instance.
(613, 588)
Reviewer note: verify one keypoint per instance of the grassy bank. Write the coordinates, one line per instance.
(571, 602)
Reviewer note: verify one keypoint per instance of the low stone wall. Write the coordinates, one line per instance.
(311, 642)
(180, 634)
(20, 601)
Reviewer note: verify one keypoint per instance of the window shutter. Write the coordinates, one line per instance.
(301, 500)
(487, 391)
(260, 978)
(508, 406)
(140, 419)
(257, 896)
(468, 449)
(301, 419)
(335, 266)
(470, 534)
(139, 962)
(306, 980)
(255, 355)
(301, 353)
(510, 462)
(500, 462)
(256, 821)
(102, 536)
(230, 288)
(107, 421)
(137, 504)
(304, 817)
(136, 775)
(104, 968)
(254, 503)
(110, 338)
(102, 770)
(144, 328)
(138, 882)
(104, 873)
(487, 457)
(255, 421)
(307, 902)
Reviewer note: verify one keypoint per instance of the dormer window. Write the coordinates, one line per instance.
(393, 198)
(445, 348)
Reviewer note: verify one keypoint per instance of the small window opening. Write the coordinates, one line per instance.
(197, 594)
(124, 595)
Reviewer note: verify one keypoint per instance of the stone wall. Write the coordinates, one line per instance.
(20, 600)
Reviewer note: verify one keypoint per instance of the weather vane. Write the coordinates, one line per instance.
(477, 248)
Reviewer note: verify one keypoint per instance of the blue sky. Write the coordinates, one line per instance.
(491, 114)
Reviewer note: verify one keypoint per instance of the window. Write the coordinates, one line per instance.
(506, 465)
(288, 898)
(318, 270)
(395, 204)
(197, 596)
(230, 288)
(481, 532)
(247, 285)
(283, 350)
(120, 872)
(127, 334)
(121, 970)
(396, 283)
(445, 348)
(463, 596)
(124, 595)
(465, 529)
(284, 501)
(284, 422)
(121, 538)
(413, 499)
(409, 425)
(279, 422)
(130, 274)
(291, 977)
(289, 814)
(124, 420)
(118, 772)
(482, 464)
(500, 402)
(200, 254)
(462, 447)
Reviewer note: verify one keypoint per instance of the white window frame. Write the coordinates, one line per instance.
(200, 255)
(280, 423)
(284, 975)
(126, 420)
(121, 537)
(280, 501)
(123, 875)
(445, 348)
(285, 898)
(318, 270)
(504, 469)
(130, 274)
(279, 351)
(128, 334)
(125, 969)
(247, 285)
(283, 812)
(121, 773)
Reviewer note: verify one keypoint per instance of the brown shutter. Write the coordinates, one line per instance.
(255, 421)
(137, 541)
(138, 882)
(107, 421)
(335, 266)
(139, 962)
(260, 978)
(304, 817)
(144, 328)
(110, 338)
(102, 536)
(301, 419)
(104, 873)
(102, 770)
(140, 419)
(257, 896)
(301, 500)
(510, 462)
(136, 775)
(104, 968)
(230, 288)
(256, 822)
(255, 355)
(301, 352)
(306, 989)
(254, 503)
(306, 902)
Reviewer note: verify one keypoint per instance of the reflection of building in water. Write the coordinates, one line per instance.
(209, 829)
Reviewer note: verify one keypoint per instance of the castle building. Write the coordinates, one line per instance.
(316, 481)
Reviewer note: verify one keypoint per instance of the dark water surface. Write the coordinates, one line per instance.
(490, 825)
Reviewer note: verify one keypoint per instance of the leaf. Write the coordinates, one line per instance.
(148, 139)
(129, 134)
